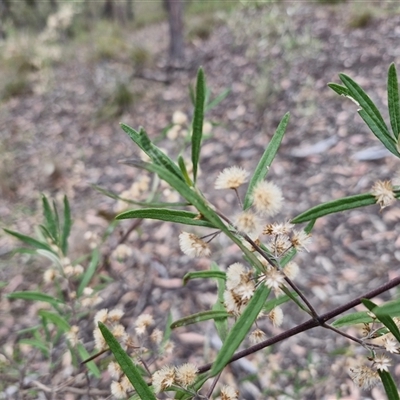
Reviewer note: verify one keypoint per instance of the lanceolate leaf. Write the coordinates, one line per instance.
(389, 385)
(155, 154)
(343, 204)
(90, 271)
(203, 275)
(393, 101)
(199, 317)
(128, 367)
(360, 317)
(84, 355)
(269, 154)
(198, 117)
(358, 94)
(385, 313)
(67, 223)
(57, 320)
(28, 240)
(186, 192)
(51, 224)
(370, 114)
(163, 214)
(35, 296)
(386, 140)
(240, 329)
(339, 89)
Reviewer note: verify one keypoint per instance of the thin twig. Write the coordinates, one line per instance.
(311, 323)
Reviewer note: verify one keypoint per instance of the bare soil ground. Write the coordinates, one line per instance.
(275, 59)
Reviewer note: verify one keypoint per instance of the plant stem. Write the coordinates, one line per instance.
(311, 323)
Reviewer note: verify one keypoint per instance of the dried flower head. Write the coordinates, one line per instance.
(122, 252)
(101, 316)
(364, 376)
(391, 344)
(382, 363)
(126, 384)
(229, 393)
(156, 336)
(72, 335)
(248, 223)
(276, 316)
(231, 178)
(179, 118)
(193, 246)
(163, 379)
(143, 322)
(117, 390)
(383, 193)
(50, 275)
(186, 374)
(273, 278)
(257, 336)
(99, 340)
(234, 275)
(267, 198)
(115, 370)
(300, 240)
(115, 315)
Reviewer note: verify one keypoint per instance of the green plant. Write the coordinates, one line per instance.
(246, 291)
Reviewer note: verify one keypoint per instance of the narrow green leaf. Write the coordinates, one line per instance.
(221, 325)
(217, 100)
(115, 196)
(390, 308)
(163, 214)
(50, 256)
(167, 329)
(155, 154)
(51, 224)
(57, 222)
(203, 275)
(28, 240)
(334, 206)
(198, 117)
(199, 317)
(185, 191)
(389, 385)
(90, 271)
(358, 94)
(360, 317)
(385, 313)
(339, 89)
(57, 320)
(67, 223)
(39, 344)
(386, 140)
(34, 296)
(91, 365)
(269, 154)
(182, 166)
(393, 100)
(130, 369)
(240, 329)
